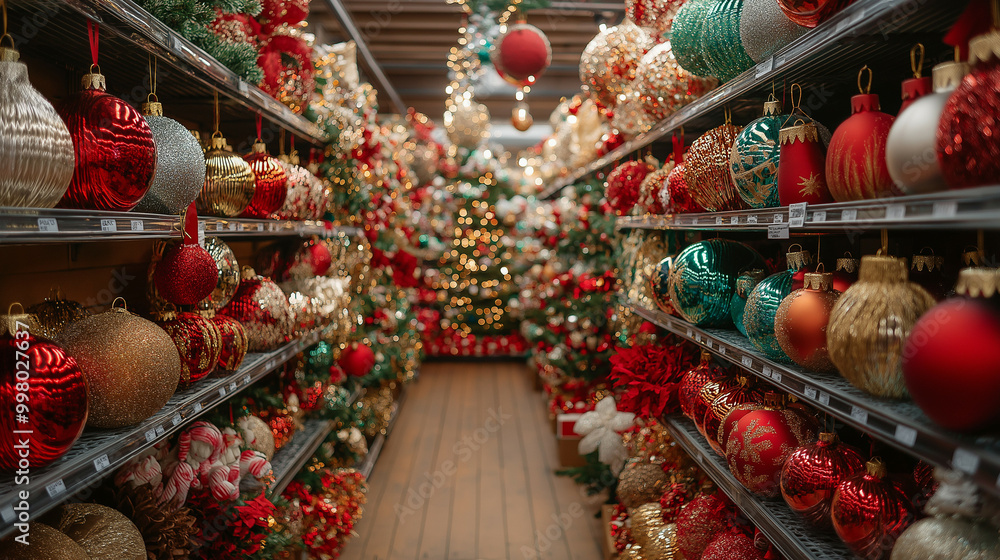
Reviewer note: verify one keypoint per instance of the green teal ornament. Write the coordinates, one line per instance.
(319, 359)
(686, 36)
(762, 306)
(721, 41)
(754, 159)
(661, 285)
(745, 284)
(703, 280)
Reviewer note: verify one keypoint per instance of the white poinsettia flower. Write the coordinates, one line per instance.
(600, 428)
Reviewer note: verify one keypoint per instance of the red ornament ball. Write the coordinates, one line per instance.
(198, 342)
(681, 201)
(521, 54)
(277, 12)
(624, 185)
(760, 443)
(187, 273)
(320, 258)
(727, 401)
(699, 523)
(262, 308)
(271, 181)
(856, 168)
(357, 359)
(694, 380)
(709, 392)
(967, 149)
(233, 342)
(731, 546)
(869, 512)
(56, 392)
(812, 474)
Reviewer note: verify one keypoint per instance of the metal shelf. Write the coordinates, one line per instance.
(98, 453)
(976, 208)
(795, 538)
(56, 225)
(368, 464)
(899, 424)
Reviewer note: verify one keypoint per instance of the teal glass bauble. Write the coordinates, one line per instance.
(745, 284)
(762, 306)
(754, 159)
(660, 280)
(720, 41)
(319, 358)
(703, 279)
(686, 36)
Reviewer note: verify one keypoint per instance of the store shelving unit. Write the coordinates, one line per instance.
(366, 466)
(785, 530)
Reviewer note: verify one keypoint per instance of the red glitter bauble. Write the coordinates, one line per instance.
(198, 342)
(187, 273)
(855, 159)
(967, 145)
(55, 409)
(271, 181)
(693, 382)
(869, 512)
(262, 308)
(812, 474)
(357, 359)
(624, 182)
(277, 12)
(731, 546)
(762, 440)
(521, 54)
(233, 342)
(744, 392)
(114, 150)
(699, 523)
(320, 258)
(680, 196)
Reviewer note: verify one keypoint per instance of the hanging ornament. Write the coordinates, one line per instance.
(467, 123)
(846, 273)
(917, 86)
(651, 188)
(764, 300)
(610, 60)
(187, 272)
(803, 149)
(870, 324)
(131, 366)
(745, 283)
(762, 440)
(765, 29)
(754, 159)
(699, 523)
(113, 145)
(927, 270)
(810, 13)
(703, 279)
(869, 512)
(706, 169)
(53, 388)
(55, 313)
(623, 184)
(261, 306)
(812, 473)
(229, 181)
(952, 356)
(687, 35)
(709, 392)
(233, 342)
(731, 545)
(36, 150)
(663, 86)
(800, 323)
(911, 148)
(357, 359)
(855, 160)
(694, 380)
(746, 391)
(521, 54)
(656, 16)
(227, 274)
(520, 118)
(298, 187)
(198, 342)
(660, 280)
(721, 43)
(679, 200)
(640, 482)
(270, 180)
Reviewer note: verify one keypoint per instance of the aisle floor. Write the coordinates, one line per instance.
(468, 474)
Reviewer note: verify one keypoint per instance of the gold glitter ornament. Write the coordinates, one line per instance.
(467, 123)
(46, 543)
(632, 552)
(104, 533)
(870, 323)
(610, 60)
(640, 483)
(229, 181)
(55, 314)
(706, 170)
(663, 86)
(662, 544)
(131, 366)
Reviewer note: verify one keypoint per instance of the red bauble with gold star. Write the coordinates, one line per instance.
(802, 169)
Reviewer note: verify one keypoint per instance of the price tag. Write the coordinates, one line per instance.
(777, 231)
(150, 435)
(895, 212)
(746, 361)
(797, 214)
(697, 337)
(778, 219)
(109, 225)
(766, 371)
(272, 226)
(752, 219)
(201, 234)
(810, 393)
(102, 463)
(232, 226)
(136, 225)
(240, 226)
(764, 67)
(246, 379)
(243, 88)
(176, 419)
(159, 430)
(718, 220)
(906, 435)
(776, 375)
(965, 461)
(222, 391)
(270, 363)
(859, 414)
(232, 386)
(849, 215)
(56, 488)
(823, 398)
(48, 225)
(197, 407)
(260, 227)
(708, 342)
(819, 216)
(945, 209)
(722, 350)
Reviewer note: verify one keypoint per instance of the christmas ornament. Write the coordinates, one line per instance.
(180, 163)
(655, 538)
(802, 178)
(810, 13)
(664, 87)
(640, 482)
(521, 54)
(45, 543)
(187, 272)
(228, 277)
(103, 532)
(680, 199)
(37, 372)
(687, 34)
(699, 523)
(764, 300)
(723, 49)
(745, 283)
(847, 272)
(624, 182)
(800, 323)
(870, 324)
(694, 380)
(520, 118)
(812, 474)
(869, 512)
(36, 149)
(917, 86)
(764, 29)
(706, 170)
(855, 159)
(55, 313)
(296, 202)
(131, 366)
(731, 546)
(610, 60)
(652, 187)
(357, 359)
(759, 444)
(927, 270)
(113, 146)
(229, 181)
(233, 342)
(709, 392)
(167, 532)
(655, 15)
(270, 179)
(754, 158)
(467, 123)
(660, 280)
(744, 392)
(257, 435)
(198, 342)
(703, 279)
(600, 430)
(286, 60)
(911, 147)
(261, 307)
(937, 376)
(966, 153)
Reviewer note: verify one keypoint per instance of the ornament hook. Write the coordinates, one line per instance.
(217, 115)
(124, 304)
(867, 89)
(820, 268)
(10, 308)
(917, 64)
(151, 97)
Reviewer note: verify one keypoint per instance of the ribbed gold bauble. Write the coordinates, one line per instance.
(131, 366)
(46, 543)
(641, 483)
(644, 520)
(870, 323)
(662, 544)
(229, 181)
(104, 533)
(229, 274)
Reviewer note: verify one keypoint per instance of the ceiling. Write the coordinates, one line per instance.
(409, 41)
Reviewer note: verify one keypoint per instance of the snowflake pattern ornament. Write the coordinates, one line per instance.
(600, 428)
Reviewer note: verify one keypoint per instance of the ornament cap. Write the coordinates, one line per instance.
(798, 259)
(822, 281)
(259, 147)
(878, 268)
(916, 87)
(828, 438)
(948, 75)
(805, 132)
(9, 322)
(984, 48)
(152, 109)
(772, 108)
(978, 282)
(863, 102)
(926, 263)
(747, 281)
(848, 264)
(9, 55)
(219, 142)
(876, 468)
(94, 80)
(973, 257)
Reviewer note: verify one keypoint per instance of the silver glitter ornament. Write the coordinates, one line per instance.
(764, 29)
(180, 164)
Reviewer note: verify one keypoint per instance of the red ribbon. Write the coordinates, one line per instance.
(678, 149)
(260, 123)
(292, 144)
(94, 32)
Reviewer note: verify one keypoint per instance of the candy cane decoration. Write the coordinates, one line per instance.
(175, 491)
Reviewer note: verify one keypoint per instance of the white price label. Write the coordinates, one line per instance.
(109, 225)
(849, 215)
(746, 361)
(823, 398)
(240, 226)
(57, 488)
(777, 231)
(197, 407)
(778, 219)
(965, 461)
(232, 386)
(176, 419)
(722, 350)
(736, 220)
(906, 435)
(776, 375)
(859, 414)
(232, 226)
(272, 227)
(819, 216)
(718, 220)
(766, 371)
(764, 67)
(150, 435)
(246, 379)
(159, 431)
(810, 393)
(752, 219)
(102, 463)
(48, 225)
(945, 209)
(222, 391)
(697, 337)
(797, 214)
(708, 342)
(136, 225)
(201, 234)
(895, 212)
(270, 365)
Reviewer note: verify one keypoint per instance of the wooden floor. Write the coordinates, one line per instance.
(467, 474)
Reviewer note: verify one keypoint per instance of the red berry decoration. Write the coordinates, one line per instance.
(812, 474)
(233, 342)
(869, 512)
(271, 181)
(731, 546)
(693, 382)
(521, 54)
(699, 523)
(357, 359)
(198, 342)
(624, 184)
(40, 374)
(187, 273)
